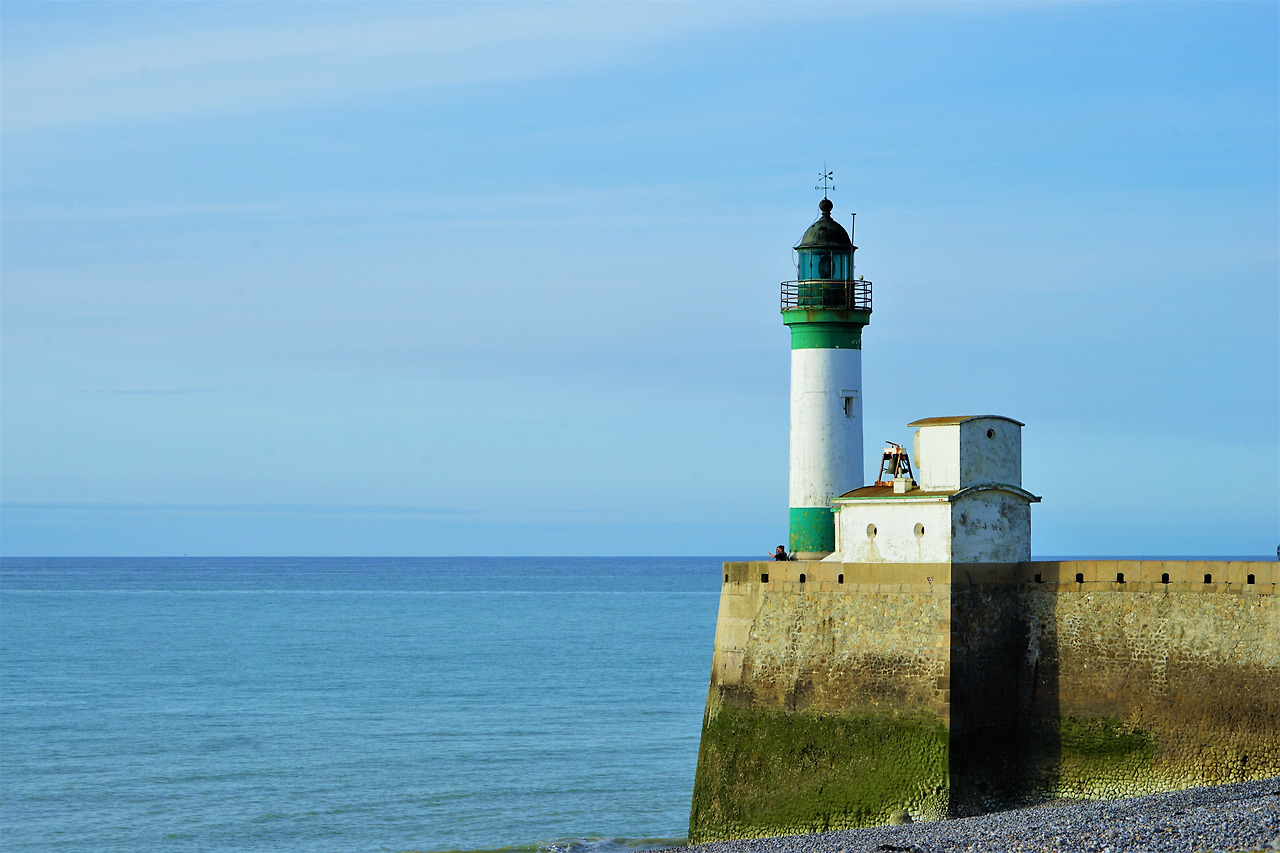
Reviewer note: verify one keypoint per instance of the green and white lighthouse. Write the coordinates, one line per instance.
(826, 308)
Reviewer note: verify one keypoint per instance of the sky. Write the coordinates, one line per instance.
(453, 279)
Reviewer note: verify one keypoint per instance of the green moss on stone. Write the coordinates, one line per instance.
(1103, 756)
(765, 772)
(1105, 740)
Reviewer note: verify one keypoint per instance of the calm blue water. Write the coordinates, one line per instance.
(350, 704)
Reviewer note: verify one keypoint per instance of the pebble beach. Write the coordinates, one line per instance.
(1240, 817)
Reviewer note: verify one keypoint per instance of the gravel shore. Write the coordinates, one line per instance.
(1245, 816)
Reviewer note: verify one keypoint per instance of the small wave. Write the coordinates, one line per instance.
(609, 845)
(516, 848)
(582, 845)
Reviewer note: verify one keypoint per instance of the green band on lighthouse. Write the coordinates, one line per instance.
(819, 328)
(813, 529)
(826, 336)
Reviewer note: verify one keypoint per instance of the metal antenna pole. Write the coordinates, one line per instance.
(853, 249)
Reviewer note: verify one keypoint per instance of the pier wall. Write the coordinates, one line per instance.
(865, 690)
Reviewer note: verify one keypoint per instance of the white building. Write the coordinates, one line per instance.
(968, 507)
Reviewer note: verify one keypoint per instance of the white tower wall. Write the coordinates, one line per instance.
(826, 425)
(895, 532)
(937, 457)
(991, 527)
(990, 452)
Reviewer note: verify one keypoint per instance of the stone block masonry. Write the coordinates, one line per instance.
(844, 693)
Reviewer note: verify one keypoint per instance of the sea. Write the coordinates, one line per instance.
(351, 705)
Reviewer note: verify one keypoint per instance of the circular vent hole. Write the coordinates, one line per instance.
(871, 531)
(919, 530)
(991, 433)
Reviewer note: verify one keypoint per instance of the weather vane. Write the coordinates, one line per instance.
(827, 177)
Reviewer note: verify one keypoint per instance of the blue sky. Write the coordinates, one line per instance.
(295, 278)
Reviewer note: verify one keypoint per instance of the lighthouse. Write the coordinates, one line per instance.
(826, 308)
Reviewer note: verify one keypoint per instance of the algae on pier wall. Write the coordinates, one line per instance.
(765, 772)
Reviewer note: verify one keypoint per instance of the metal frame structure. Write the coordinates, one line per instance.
(838, 295)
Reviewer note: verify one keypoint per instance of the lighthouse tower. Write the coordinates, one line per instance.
(825, 308)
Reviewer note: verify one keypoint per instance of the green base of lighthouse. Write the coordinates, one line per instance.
(813, 530)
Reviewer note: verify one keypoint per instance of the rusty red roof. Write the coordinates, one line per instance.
(959, 419)
(887, 492)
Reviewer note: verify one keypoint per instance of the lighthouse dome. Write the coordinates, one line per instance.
(826, 233)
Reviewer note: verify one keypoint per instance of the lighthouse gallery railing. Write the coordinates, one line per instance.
(847, 295)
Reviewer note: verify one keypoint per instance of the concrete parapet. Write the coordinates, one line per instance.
(1120, 575)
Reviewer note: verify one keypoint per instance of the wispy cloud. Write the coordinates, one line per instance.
(231, 509)
(143, 392)
(198, 67)
(296, 510)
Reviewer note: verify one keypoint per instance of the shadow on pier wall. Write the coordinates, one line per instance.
(1006, 741)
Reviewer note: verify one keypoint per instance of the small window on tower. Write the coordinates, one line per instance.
(850, 403)
(824, 266)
